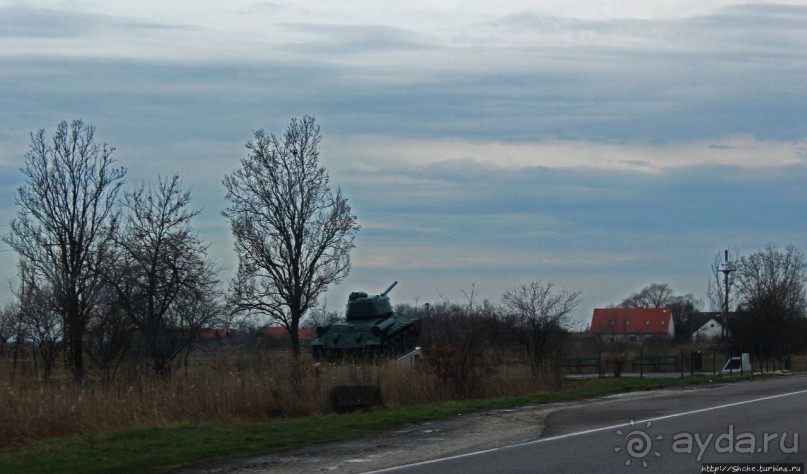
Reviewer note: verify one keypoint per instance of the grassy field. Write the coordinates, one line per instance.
(160, 449)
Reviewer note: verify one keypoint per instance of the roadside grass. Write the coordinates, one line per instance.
(162, 449)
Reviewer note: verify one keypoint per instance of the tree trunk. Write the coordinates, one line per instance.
(294, 335)
(76, 352)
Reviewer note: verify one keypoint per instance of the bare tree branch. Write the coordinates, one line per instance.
(771, 295)
(161, 270)
(65, 221)
(540, 315)
(293, 234)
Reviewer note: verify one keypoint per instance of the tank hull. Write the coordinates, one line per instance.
(381, 337)
(371, 329)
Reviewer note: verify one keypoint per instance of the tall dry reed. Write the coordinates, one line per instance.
(226, 387)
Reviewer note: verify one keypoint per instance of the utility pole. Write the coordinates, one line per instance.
(726, 268)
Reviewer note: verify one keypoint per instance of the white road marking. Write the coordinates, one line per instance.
(585, 432)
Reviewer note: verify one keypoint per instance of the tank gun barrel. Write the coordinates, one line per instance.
(390, 288)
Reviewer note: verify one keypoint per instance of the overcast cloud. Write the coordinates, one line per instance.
(602, 145)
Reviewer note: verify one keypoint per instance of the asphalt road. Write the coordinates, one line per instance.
(759, 422)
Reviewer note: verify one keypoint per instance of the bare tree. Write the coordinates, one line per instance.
(456, 339)
(65, 221)
(686, 313)
(161, 270)
(320, 316)
(685, 308)
(8, 326)
(293, 234)
(109, 337)
(39, 322)
(197, 307)
(655, 295)
(771, 292)
(540, 315)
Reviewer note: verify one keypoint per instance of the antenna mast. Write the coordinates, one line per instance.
(726, 268)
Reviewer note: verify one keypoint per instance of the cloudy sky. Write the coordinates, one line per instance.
(602, 145)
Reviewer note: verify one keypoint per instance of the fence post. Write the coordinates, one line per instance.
(599, 363)
(714, 362)
(681, 361)
(641, 361)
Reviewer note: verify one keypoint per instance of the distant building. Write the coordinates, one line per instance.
(632, 324)
(711, 325)
(711, 329)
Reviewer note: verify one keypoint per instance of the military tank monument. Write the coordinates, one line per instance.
(371, 329)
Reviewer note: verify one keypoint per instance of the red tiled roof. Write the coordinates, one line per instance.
(632, 321)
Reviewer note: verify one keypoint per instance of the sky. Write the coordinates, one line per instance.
(599, 145)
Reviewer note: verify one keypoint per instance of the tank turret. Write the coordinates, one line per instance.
(361, 306)
(371, 328)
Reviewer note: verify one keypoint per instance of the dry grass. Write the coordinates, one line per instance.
(235, 388)
(799, 363)
(226, 388)
(238, 387)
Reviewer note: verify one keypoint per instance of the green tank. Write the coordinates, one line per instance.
(370, 329)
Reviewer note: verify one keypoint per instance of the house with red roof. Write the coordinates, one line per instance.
(632, 324)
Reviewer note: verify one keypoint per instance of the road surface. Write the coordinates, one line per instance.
(672, 430)
(756, 423)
